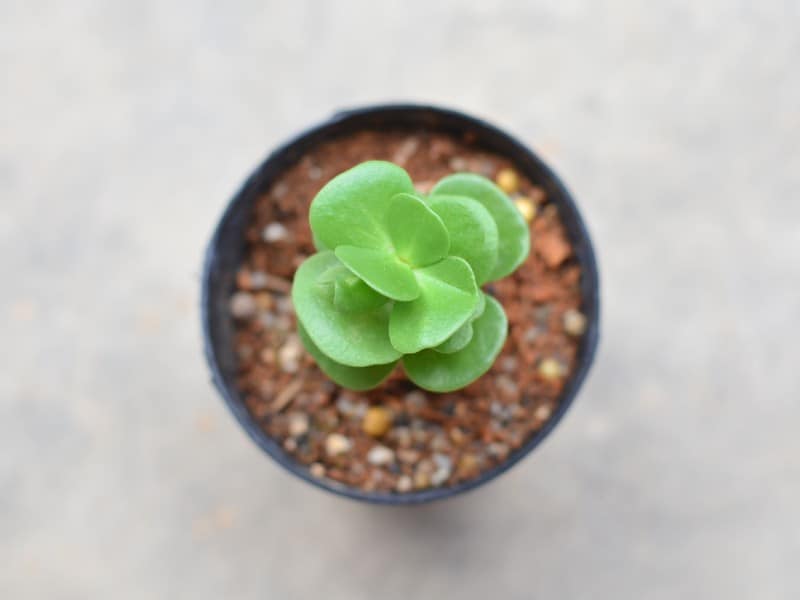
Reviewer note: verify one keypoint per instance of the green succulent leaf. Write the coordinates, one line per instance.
(318, 244)
(356, 339)
(514, 236)
(351, 294)
(382, 270)
(448, 297)
(473, 232)
(398, 276)
(354, 378)
(438, 372)
(350, 209)
(418, 234)
(457, 341)
(481, 306)
(463, 334)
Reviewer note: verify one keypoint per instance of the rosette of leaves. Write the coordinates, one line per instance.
(398, 277)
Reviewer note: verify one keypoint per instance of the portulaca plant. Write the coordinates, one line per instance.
(398, 276)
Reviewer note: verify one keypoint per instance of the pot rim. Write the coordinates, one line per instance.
(293, 150)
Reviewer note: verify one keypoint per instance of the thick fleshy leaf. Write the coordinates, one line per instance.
(481, 306)
(356, 339)
(318, 244)
(418, 235)
(457, 341)
(351, 294)
(473, 232)
(463, 334)
(354, 378)
(513, 234)
(438, 372)
(351, 208)
(381, 270)
(448, 296)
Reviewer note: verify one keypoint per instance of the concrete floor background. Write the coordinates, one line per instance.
(125, 126)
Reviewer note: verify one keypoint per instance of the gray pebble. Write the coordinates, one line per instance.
(508, 364)
(267, 319)
(349, 407)
(243, 306)
(507, 388)
(285, 305)
(402, 436)
(440, 443)
(499, 411)
(459, 164)
(279, 191)
(444, 468)
(498, 450)
(282, 323)
(542, 314)
(258, 280)
(244, 352)
(416, 399)
(532, 334)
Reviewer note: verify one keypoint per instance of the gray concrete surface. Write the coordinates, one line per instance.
(124, 126)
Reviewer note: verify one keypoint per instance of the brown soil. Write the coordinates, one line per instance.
(416, 439)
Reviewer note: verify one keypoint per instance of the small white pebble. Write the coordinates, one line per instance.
(406, 150)
(274, 232)
(336, 444)
(298, 424)
(380, 456)
(574, 322)
(551, 369)
(444, 467)
(289, 354)
(404, 484)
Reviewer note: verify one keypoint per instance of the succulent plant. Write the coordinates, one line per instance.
(398, 276)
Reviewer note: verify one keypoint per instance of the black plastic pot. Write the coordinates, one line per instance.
(226, 249)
